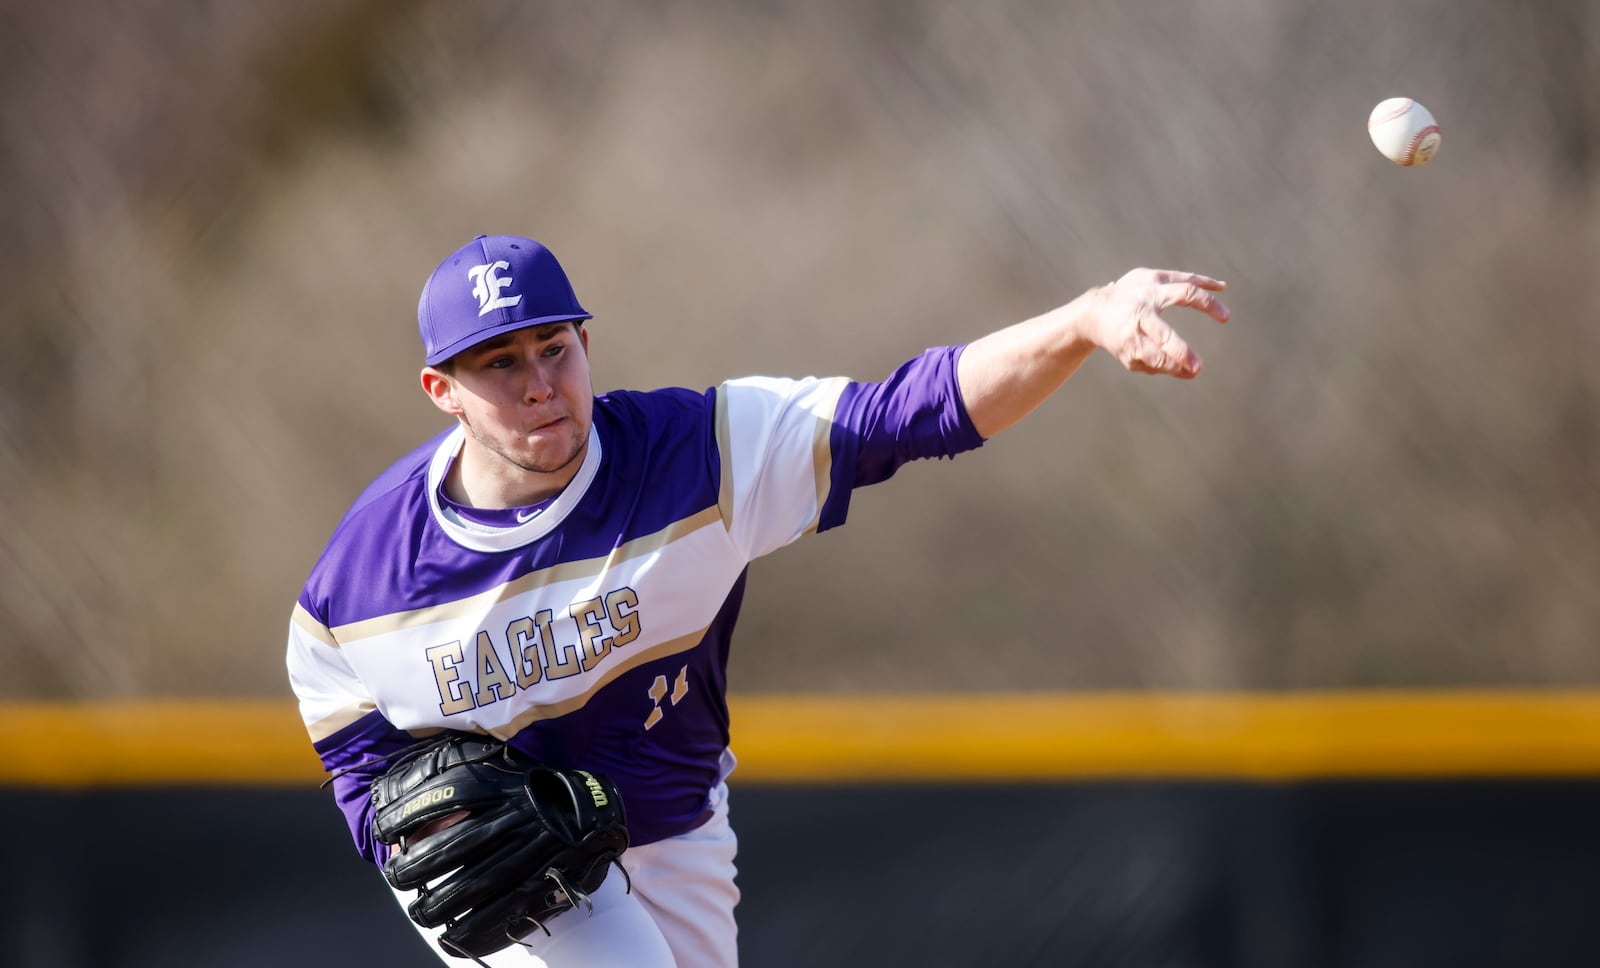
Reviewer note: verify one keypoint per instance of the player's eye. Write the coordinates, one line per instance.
(499, 362)
(555, 349)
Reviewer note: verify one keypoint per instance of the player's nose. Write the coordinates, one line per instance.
(538, 388)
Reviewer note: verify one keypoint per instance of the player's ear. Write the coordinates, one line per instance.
(441, 390)
(583, 336)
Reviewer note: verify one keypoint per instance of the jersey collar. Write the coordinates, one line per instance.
(480, 537)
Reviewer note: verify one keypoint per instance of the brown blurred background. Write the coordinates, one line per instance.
(215, 220)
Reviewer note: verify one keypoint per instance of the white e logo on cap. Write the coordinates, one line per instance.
(486, 287)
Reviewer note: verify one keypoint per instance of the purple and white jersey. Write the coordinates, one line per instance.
(594, 631)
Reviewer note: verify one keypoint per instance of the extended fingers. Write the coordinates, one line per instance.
(1159, 349)
(1196, 279)
(1194, 295)
(1161, 289)
(1132, 326)
(1168, 276)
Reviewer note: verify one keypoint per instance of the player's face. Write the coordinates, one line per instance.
(526, 399)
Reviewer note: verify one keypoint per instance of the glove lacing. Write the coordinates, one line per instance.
(574, 897)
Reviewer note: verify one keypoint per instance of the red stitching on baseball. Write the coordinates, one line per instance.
(1416, 142)
(1394, 112)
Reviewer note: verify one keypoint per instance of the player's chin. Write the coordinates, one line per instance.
(547, 455)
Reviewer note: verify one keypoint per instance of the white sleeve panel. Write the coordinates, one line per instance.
(776, 459)
(331, 695)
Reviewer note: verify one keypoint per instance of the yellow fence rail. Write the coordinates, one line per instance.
(883, 738)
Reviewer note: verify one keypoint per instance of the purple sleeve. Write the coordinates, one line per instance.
(916, 413)
(367, 740)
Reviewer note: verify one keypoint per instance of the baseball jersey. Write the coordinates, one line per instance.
(593, 631)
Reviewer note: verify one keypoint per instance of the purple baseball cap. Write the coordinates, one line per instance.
(492, 285)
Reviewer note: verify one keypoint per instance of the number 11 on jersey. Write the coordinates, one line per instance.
(658, 692)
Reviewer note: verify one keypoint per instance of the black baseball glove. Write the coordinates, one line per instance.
(535, 842)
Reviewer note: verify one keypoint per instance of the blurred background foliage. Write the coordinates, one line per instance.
(216, 217)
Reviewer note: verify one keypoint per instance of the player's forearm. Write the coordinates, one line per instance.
(355, 756)
(1006, 374)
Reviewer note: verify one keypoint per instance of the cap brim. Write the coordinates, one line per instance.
(483, 335)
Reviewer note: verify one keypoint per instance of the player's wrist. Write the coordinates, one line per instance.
(1077, 323)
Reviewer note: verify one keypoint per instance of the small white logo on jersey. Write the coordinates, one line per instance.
(529, 515)
(486, 286)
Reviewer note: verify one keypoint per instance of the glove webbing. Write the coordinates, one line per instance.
(573, 894)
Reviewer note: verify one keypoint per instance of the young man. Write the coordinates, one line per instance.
(563, 571)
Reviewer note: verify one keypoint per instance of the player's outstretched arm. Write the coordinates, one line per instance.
(1008, 373)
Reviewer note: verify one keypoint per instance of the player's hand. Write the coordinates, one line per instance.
(1124, 318)
(433, 827)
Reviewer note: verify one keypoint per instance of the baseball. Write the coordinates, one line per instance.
(1404, 131)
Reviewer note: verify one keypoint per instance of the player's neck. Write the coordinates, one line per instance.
(480, 478)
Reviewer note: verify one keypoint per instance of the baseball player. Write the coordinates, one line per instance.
(562, 571)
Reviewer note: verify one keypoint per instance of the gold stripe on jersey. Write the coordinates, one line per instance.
(330, 724)
(542, 711)
(822, 457)
(565, 571)
(307, 623)
(725, 450)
